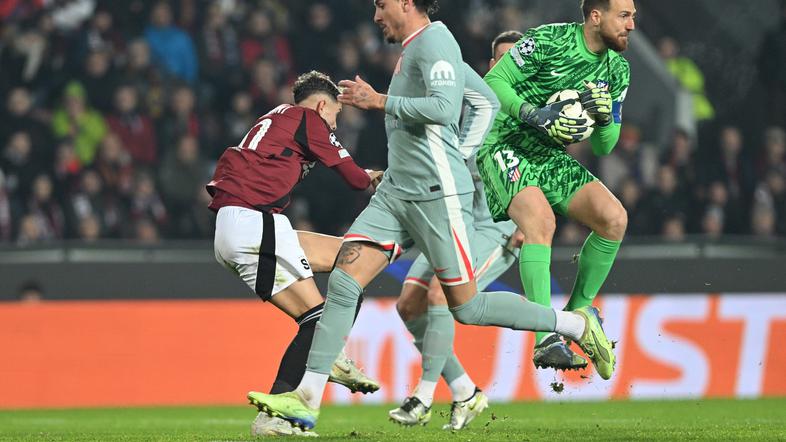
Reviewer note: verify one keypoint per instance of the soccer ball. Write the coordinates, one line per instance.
(574, 110)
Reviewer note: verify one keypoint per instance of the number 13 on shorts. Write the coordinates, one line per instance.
(506, 159)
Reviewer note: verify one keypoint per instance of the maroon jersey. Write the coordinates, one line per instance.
(278, 152)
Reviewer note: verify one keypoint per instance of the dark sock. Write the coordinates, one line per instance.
(293, 363)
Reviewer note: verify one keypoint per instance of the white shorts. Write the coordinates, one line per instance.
(261, 248)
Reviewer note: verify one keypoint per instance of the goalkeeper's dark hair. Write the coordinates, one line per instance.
(427, 6)
(588, 5)
(312, 83)
(505, 37)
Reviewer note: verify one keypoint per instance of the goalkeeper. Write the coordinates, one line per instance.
(528, 175)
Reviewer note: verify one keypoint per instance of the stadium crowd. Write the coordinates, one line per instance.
(115, 112)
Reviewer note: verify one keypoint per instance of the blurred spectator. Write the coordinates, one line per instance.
(146, 232)
(146, 203)
(180, 120)
(69, 15)
(239, 119)
(113, 164)
(680, 156)
(772, 70)
(19, 165)
(665, 200)
(100, 34)
(89, 229)
(31, 231)
(763, 222)
(100, 78)
(571, 233)
(712, 223)
(261, 40)
(91, 200)
(27, 54)
(47, 210)
(219, 54)
(673, 229)
(628, 160)
(82, 125)
(183, 174)
(30, 292)
(20, 10)
(67, 169)
(731, 166)
(20, 116)
(146, 78)
(263, 86)
(774, 153)
(6, 221)
(317, 32)
(172, 48)
(689, 76)
(204, 221)
(134, 129)
(770, 195)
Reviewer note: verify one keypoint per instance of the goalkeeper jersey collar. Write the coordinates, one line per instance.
(586, 54)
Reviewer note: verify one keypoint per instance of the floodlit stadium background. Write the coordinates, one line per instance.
(111, 293)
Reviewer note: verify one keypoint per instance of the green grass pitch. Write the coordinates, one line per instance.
(638, 420)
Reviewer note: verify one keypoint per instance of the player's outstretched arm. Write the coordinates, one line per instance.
(357, 178)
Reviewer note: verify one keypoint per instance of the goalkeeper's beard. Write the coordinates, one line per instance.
(615, 42)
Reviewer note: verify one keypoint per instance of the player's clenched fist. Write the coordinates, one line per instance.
(360, 94)
(376, 177)
(597, 102)
(551, 121)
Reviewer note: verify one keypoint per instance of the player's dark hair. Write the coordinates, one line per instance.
(427, 6)
(588, 5)
(505, 37)
(312, 83)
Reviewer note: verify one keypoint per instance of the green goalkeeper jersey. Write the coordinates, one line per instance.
(548, 59)
(422, 119)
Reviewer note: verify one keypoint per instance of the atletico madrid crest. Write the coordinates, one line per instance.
(514, 174)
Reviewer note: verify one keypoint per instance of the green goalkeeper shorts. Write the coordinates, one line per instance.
(507, 169)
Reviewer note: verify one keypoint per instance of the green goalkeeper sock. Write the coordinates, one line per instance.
(534, 263)
(595, 261)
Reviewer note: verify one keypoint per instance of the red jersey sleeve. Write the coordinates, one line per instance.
(319, 141)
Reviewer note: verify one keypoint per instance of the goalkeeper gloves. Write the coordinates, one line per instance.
(551, 121)
(597, 102)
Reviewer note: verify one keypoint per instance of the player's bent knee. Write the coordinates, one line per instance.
(471, 312)
(616, 221)
(436, 296)
(343, 289)
(405, 309)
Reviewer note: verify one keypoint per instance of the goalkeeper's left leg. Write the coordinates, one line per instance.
(595, 207)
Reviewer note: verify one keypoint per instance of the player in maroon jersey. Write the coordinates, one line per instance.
(250, 187)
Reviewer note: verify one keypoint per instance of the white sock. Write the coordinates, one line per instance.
(462, 388)
(570, 324)
(312, 387)
(425, 392)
